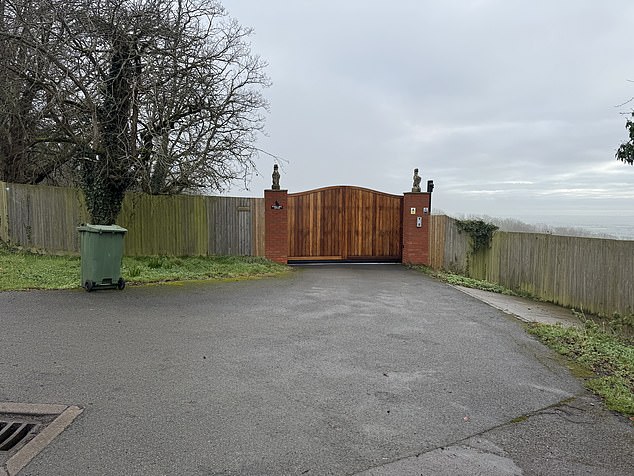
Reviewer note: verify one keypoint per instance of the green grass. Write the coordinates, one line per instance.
(601, 352)
(459, 280)
(609, 355)
(158, 269)
(32, 271)
(21, 270)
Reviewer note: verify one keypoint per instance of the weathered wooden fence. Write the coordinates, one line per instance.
(595, 275)
(182, 225)
(41, 217)
(46, 218)
(448, 248)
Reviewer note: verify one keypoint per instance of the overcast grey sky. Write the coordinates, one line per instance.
(509, 106)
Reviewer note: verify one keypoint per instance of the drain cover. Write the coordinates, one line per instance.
(26, 428)
(14, 432)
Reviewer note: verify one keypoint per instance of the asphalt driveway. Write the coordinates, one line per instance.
(331, 370)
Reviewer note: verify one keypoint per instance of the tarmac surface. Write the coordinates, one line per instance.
(343, 370)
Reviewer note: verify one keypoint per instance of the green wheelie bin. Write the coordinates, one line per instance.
(101, 256)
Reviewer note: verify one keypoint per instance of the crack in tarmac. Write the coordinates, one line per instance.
(465, 442)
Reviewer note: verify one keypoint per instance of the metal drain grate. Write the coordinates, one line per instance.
(25, 429)
(12, 433)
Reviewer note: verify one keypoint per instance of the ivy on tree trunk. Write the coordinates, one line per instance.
(107, 177)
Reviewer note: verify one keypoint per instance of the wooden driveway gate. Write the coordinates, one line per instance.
(345, 223)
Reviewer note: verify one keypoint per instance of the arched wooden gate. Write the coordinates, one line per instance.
(345, 223)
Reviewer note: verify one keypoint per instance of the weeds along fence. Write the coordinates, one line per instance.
(595, 275)
(46, 218)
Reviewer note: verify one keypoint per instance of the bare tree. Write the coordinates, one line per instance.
(25, 126)
(201, 103)
(161, 95)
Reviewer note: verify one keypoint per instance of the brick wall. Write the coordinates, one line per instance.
(415, 239)
(276, 225)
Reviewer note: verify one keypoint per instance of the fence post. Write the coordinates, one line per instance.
(416, 213)
(276, 225)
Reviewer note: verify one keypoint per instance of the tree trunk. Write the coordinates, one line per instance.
(109, 175)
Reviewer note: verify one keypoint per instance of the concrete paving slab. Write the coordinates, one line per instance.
(525, 309)
(331, 370)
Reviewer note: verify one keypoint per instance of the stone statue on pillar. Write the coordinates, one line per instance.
(416, 185)
(276, 178)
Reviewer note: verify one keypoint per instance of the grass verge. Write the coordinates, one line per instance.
(459, 280)
(22, 270)
(602, 350)
(608, 355)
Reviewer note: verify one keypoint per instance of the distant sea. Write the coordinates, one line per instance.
(621, 228)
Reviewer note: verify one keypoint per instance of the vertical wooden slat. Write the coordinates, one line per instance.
(212, 218)
(4, 212)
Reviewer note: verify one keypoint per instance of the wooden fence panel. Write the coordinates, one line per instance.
(46, 218)
(172, 225)
(449, 248)
(245, 227)
(227, 227)
(224, 227)
(595, 275)
(236, 226)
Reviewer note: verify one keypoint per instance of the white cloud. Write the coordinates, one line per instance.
(502, 102)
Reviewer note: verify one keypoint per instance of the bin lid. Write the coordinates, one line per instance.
(101, 228)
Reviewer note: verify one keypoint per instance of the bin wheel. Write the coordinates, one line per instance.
(120, 284)
(89, 285)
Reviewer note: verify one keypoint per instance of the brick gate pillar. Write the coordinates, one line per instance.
(416, 211)
(276, 225)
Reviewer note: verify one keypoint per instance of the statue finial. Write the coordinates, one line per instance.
(276, 178)
(416, 185)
